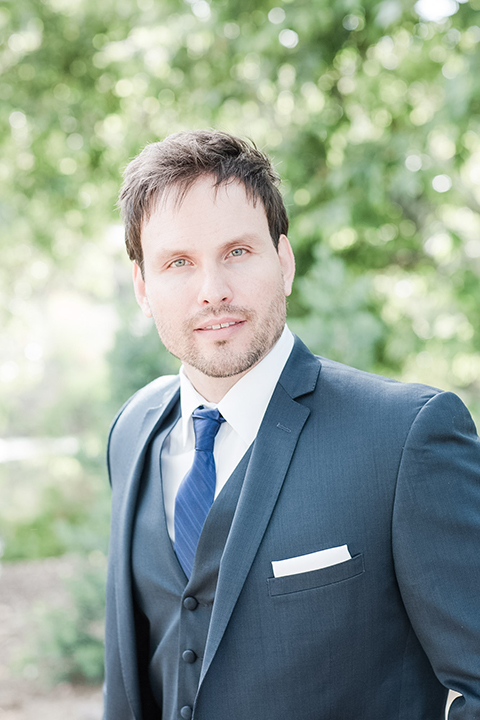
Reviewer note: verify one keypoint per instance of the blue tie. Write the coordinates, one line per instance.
(197, 491)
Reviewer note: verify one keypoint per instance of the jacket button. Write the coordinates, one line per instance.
(186, 712)
(190, 603)
(189, 656)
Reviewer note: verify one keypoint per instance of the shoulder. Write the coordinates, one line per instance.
(367, 400)
(359, 382)
(332, 381)
(152, 395)
(390, 402)
(399, 420)
(151, 402)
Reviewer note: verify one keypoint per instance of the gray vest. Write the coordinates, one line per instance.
(176, 613)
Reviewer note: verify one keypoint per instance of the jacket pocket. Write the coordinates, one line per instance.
(316, 578)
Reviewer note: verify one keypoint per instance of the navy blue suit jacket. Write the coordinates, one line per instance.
(342, 457)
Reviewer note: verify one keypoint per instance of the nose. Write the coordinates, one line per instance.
(215, 289)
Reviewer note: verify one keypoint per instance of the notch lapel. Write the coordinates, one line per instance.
(268, 466)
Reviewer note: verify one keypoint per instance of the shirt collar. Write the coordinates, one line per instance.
(244, 405)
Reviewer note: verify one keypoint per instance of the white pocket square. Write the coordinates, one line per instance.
(312, 561)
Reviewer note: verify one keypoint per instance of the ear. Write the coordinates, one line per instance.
(140, 290)
(287, 262)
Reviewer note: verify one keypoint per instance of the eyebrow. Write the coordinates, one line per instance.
(241, 239)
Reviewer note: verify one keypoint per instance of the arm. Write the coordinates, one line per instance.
(436, 544)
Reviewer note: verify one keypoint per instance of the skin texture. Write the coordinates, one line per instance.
(209, 261)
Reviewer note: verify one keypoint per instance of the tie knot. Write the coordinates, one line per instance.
(206, 424)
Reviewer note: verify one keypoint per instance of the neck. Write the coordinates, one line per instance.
(213, 389)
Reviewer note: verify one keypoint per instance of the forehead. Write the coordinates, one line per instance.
(205, 208)
(174, 194)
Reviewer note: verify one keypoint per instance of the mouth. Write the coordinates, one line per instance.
(220, 326)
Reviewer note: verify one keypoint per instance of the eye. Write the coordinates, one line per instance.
(181, 262)
(238, 252)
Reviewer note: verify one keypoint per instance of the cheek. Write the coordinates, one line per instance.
(263, 287)
(169, 303)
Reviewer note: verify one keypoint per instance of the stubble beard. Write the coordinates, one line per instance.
(225, 361)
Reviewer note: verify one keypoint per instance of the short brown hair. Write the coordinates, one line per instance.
(182, 158)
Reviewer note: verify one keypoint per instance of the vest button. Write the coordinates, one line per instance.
(186, 712)
(190, 603)
(189, 656)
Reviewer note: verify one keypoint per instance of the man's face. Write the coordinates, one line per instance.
(213, 281)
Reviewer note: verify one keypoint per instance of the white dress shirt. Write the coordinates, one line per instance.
(243, 408)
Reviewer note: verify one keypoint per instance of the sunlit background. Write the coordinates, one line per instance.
(371, 113)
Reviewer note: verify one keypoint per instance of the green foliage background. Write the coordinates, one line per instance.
(371, 113)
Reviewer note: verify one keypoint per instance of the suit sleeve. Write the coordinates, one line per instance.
(436, 544)
(116, 704)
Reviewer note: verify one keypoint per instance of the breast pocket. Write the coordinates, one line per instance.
(317, 578)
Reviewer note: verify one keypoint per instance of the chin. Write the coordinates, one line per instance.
(225, 367)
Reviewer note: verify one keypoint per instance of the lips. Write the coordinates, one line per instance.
(220, 325)
(217, 327)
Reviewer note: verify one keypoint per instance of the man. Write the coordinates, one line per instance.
(336, 574)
